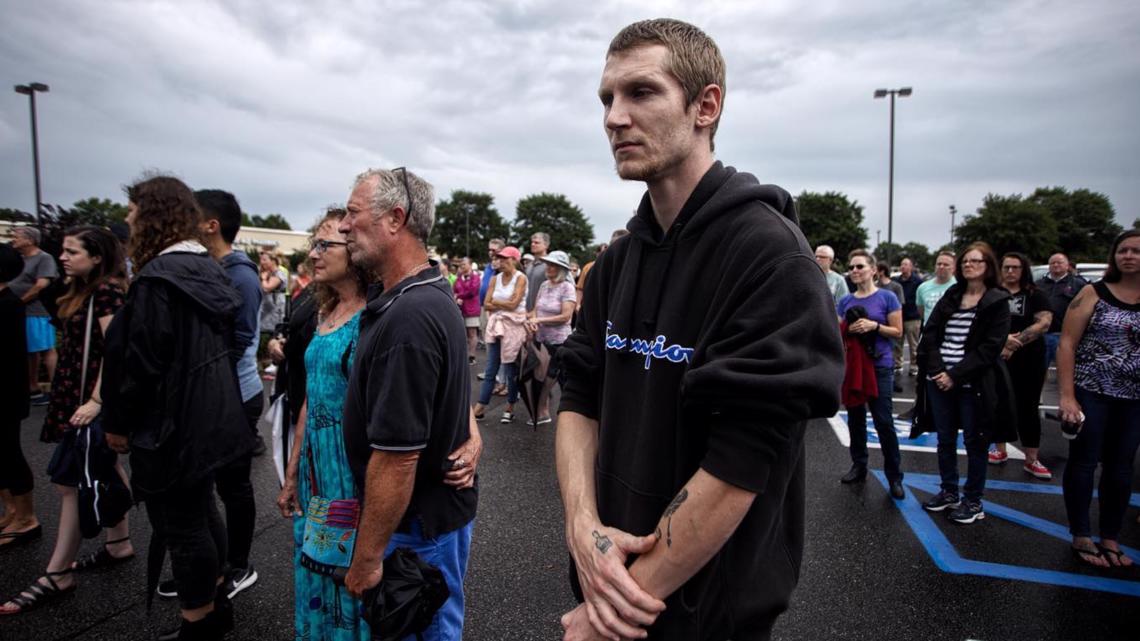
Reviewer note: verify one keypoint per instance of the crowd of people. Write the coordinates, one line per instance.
(691, 354)
(984, 336)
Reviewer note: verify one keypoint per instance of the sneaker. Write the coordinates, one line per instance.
(167, 589)
(997, 457)
(471, 361)
(941, 501)
(39, 400)
(271, 370)
(968, 512)
(913, 372)
(239, 579)
(507, 418)
(1037, 469)
(480, 376)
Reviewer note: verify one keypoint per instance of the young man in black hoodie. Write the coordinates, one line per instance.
(706, 340)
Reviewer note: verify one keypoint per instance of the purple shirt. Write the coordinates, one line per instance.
(878, 306)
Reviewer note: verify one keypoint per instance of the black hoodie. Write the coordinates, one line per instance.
(709, 347)
(168, 376)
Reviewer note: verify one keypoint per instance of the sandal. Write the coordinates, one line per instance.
(102, 558)
(1094, 552)
(1117, 556)
(40, 594)
(20, 538)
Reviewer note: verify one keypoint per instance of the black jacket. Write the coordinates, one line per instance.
(982, 367)
(709, 347)
(13, 352)
(168, 379)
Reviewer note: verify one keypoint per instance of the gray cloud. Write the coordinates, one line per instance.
(284, 105)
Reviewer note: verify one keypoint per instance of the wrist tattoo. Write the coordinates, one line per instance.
(674, 505)
(602, 542)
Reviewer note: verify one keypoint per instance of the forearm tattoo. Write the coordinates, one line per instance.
(674, 505)
(602, 542)
(1034, 331)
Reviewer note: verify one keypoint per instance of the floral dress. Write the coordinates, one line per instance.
(65, 397)
(323, 610)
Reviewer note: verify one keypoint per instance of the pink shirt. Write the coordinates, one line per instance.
(549, 303)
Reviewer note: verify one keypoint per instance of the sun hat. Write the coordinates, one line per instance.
(558, 259)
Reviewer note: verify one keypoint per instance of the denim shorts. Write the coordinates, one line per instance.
(448, 552)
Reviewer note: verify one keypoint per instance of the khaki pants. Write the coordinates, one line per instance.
(911, 331)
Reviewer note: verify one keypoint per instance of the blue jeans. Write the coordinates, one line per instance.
(449, 553)
(494, 352)
(1111, 434)
(881, 411)
(1052, 340)
(954, 410)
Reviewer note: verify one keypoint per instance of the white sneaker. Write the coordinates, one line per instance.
(507, 418)
(272, 369)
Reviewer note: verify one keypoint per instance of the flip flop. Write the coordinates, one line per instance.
(1094, 552)
(1116, 554)
(20, 538)
(103, 558)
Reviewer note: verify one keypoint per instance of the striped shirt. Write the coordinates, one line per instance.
(953, 347)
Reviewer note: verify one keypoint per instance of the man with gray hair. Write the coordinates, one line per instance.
(825, 256)
(409, 435)
(39, 270)
(536, 271)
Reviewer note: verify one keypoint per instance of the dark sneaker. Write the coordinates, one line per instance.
(239, 579)
(39, 400)
(857, 474)
(897, 491)
(968, 512)
(942, 501)
(167, 589)
(471, 360)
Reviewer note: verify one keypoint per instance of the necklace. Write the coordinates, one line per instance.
(413, 271)
(335, 318)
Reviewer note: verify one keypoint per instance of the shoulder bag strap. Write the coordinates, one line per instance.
(86, 348)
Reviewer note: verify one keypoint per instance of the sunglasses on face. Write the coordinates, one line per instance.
(321, 245)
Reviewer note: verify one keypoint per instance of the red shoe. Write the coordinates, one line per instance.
(1038, 470)
(997, 457)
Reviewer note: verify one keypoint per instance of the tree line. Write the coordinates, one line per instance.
(1079, 223)
(464, 222)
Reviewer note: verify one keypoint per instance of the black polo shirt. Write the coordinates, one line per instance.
(409, 389)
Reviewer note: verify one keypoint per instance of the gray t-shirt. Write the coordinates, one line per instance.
(41, 265)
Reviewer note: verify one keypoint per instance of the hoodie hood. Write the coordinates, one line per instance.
(238, 258)
(199, 277)
(720, 190)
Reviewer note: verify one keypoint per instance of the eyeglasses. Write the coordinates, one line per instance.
(407, 191)
(973, 261)
(321, 245)
(858, 267)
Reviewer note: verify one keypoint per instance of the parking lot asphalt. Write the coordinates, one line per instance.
(872, 569)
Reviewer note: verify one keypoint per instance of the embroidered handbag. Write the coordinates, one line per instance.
(330, 534)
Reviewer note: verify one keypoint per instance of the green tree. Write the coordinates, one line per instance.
(270, 221)
(1085, 221)
(919, 254)
(888, 252)
(556, 215)
(467, 210)
(1010, 223)
(832, 219)
(100, 211)
(246, 221)
(16, 215)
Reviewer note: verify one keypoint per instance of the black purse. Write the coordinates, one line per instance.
(406, 599)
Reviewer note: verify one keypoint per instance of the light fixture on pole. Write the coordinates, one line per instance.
(883, 93)
(30, 90)
(953, 213)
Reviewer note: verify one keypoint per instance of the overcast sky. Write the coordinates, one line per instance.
(284, 102)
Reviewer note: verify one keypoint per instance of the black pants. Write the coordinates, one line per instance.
(236, 493)
(1027, 371)
(15, 475)
(187, 520)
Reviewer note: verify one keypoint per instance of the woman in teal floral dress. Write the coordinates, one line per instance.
(324, 611)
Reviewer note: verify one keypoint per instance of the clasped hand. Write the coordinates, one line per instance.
(616, 607)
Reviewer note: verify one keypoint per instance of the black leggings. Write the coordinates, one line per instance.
(1027, 370)
(15, 475)
(236, 493)
(187, 520)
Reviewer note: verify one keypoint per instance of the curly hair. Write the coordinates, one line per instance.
(325, 295)
(166, 214)
(97, 242)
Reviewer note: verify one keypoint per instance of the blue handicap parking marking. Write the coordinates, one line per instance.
(924, 443)
(947, 559)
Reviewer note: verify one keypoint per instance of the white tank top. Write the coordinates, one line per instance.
(504, 291)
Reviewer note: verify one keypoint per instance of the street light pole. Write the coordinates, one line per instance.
(467, 223)
(953, 213)
(30, 90)
(882, 93)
